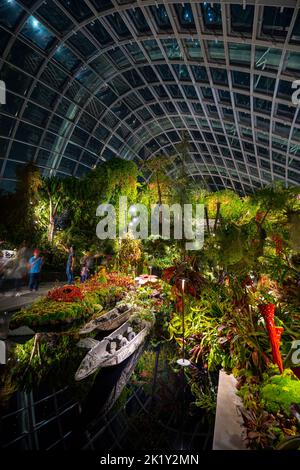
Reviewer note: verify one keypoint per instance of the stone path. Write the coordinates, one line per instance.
(9, 302)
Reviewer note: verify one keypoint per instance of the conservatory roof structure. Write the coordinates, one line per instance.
(87, 80)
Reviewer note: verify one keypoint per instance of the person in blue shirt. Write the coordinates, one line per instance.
(35, 266)
(70, 266)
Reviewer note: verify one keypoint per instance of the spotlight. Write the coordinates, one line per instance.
(35, 23)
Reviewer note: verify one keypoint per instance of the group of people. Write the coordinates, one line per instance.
(18, 267)
(86, 265)
(26, 262)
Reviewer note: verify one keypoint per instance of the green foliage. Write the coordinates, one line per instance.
(45, 313)
(280, 392)
(17, 210)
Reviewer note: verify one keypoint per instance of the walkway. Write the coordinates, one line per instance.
(9, 302)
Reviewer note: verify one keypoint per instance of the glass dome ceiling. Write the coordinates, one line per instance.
(90, 79)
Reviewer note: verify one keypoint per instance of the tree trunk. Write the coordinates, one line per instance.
(207, 220)
(158, 189)
(51, 224)
(217, 216)
(51, 227)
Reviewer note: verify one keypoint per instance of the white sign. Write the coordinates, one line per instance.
(2, 92)
(2, 352)
(296, 94)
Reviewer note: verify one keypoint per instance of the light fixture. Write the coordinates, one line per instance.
(35, 23)
(183, 362)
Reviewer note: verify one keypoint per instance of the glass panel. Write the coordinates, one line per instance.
(35, 114)
(133, 101)
(161, 17)
(101, 132)
(43, 95)
(119, 58)
(55, 16)
(66, 57)
(120, 110)
(25, 57)
(198, 108)
(165, 72)
(78, 9)
(6, 125)
(267, 58)
(286, 111)
(241, 18)
(73, 151)
(88, 78)
(133, 78)
(175, 91)
(118, 25)
(136, 53)
(276, 21)
(13, 104)
(10, 13)
(296, 31)
(153, 49)
(110, 120)
(4, 38)
(79, 136)
(81, 171)
(149, 74)
(87, 122)
(193, 49)
(119, 86)
(99, 32)
(182, 72)
(241, 79)
(264, 84)
(28, 133)
(102, 5)
(242, 100)
(88, 159)
(199, 73)
(15, 80)
(224, 96)
(54, 77)
(103, 66)
(262, 105)
(37, 33)
(67, 166)
(146, 94)
(82, 44)
(95, 146)
(293, 61)
(283, 129)
(285, 89)
(160, 91)
(207, 93)
(212, 16)
(12, 169)
(172, 49)
(106, 95)
(219, 76)
(190, 92)
(139, 20)
(215, 50)
(185, 16)
(239, 53)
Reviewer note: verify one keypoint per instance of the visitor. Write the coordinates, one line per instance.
(83, 272)
(70, 266)
(21, 267)
(86, 264)
(35, 266)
